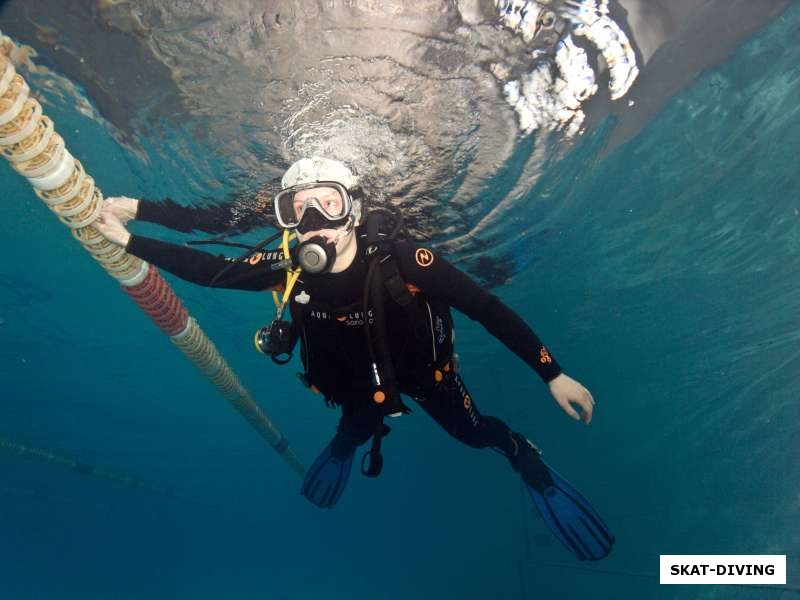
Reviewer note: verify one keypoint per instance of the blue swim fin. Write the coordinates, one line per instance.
(326, 479)
(565, 511)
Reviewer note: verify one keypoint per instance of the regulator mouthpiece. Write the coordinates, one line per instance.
(315, 255)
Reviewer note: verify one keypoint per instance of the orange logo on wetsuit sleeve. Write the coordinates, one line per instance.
(544, 356)
(424, 257)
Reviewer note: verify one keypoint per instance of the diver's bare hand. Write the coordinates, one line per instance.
(567, 392)
(123, 208)
(110, 226)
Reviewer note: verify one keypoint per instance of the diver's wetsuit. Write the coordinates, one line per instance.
(328, 310)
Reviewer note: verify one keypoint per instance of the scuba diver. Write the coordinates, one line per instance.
(371, 311)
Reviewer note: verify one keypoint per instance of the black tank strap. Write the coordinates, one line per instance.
(396, 286)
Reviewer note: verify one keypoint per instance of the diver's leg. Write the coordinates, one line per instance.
(451, 405)
(357, 424)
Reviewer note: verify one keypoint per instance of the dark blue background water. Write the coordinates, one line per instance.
(667, 283)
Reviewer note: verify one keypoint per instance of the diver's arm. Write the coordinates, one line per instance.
(228, 218)
(172, 215)
(440, 278)
(241, 214)
(201, 267)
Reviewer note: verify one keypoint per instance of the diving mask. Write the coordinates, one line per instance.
(331, 202)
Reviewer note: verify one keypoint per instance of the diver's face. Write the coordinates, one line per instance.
(327, 215)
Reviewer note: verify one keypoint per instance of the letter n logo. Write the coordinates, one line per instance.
(424, 257)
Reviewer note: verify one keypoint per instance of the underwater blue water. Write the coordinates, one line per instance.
(666, 283)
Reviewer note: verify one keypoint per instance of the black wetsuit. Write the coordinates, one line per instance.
(328, 310)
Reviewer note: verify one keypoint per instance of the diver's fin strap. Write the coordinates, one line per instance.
(372, 461)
